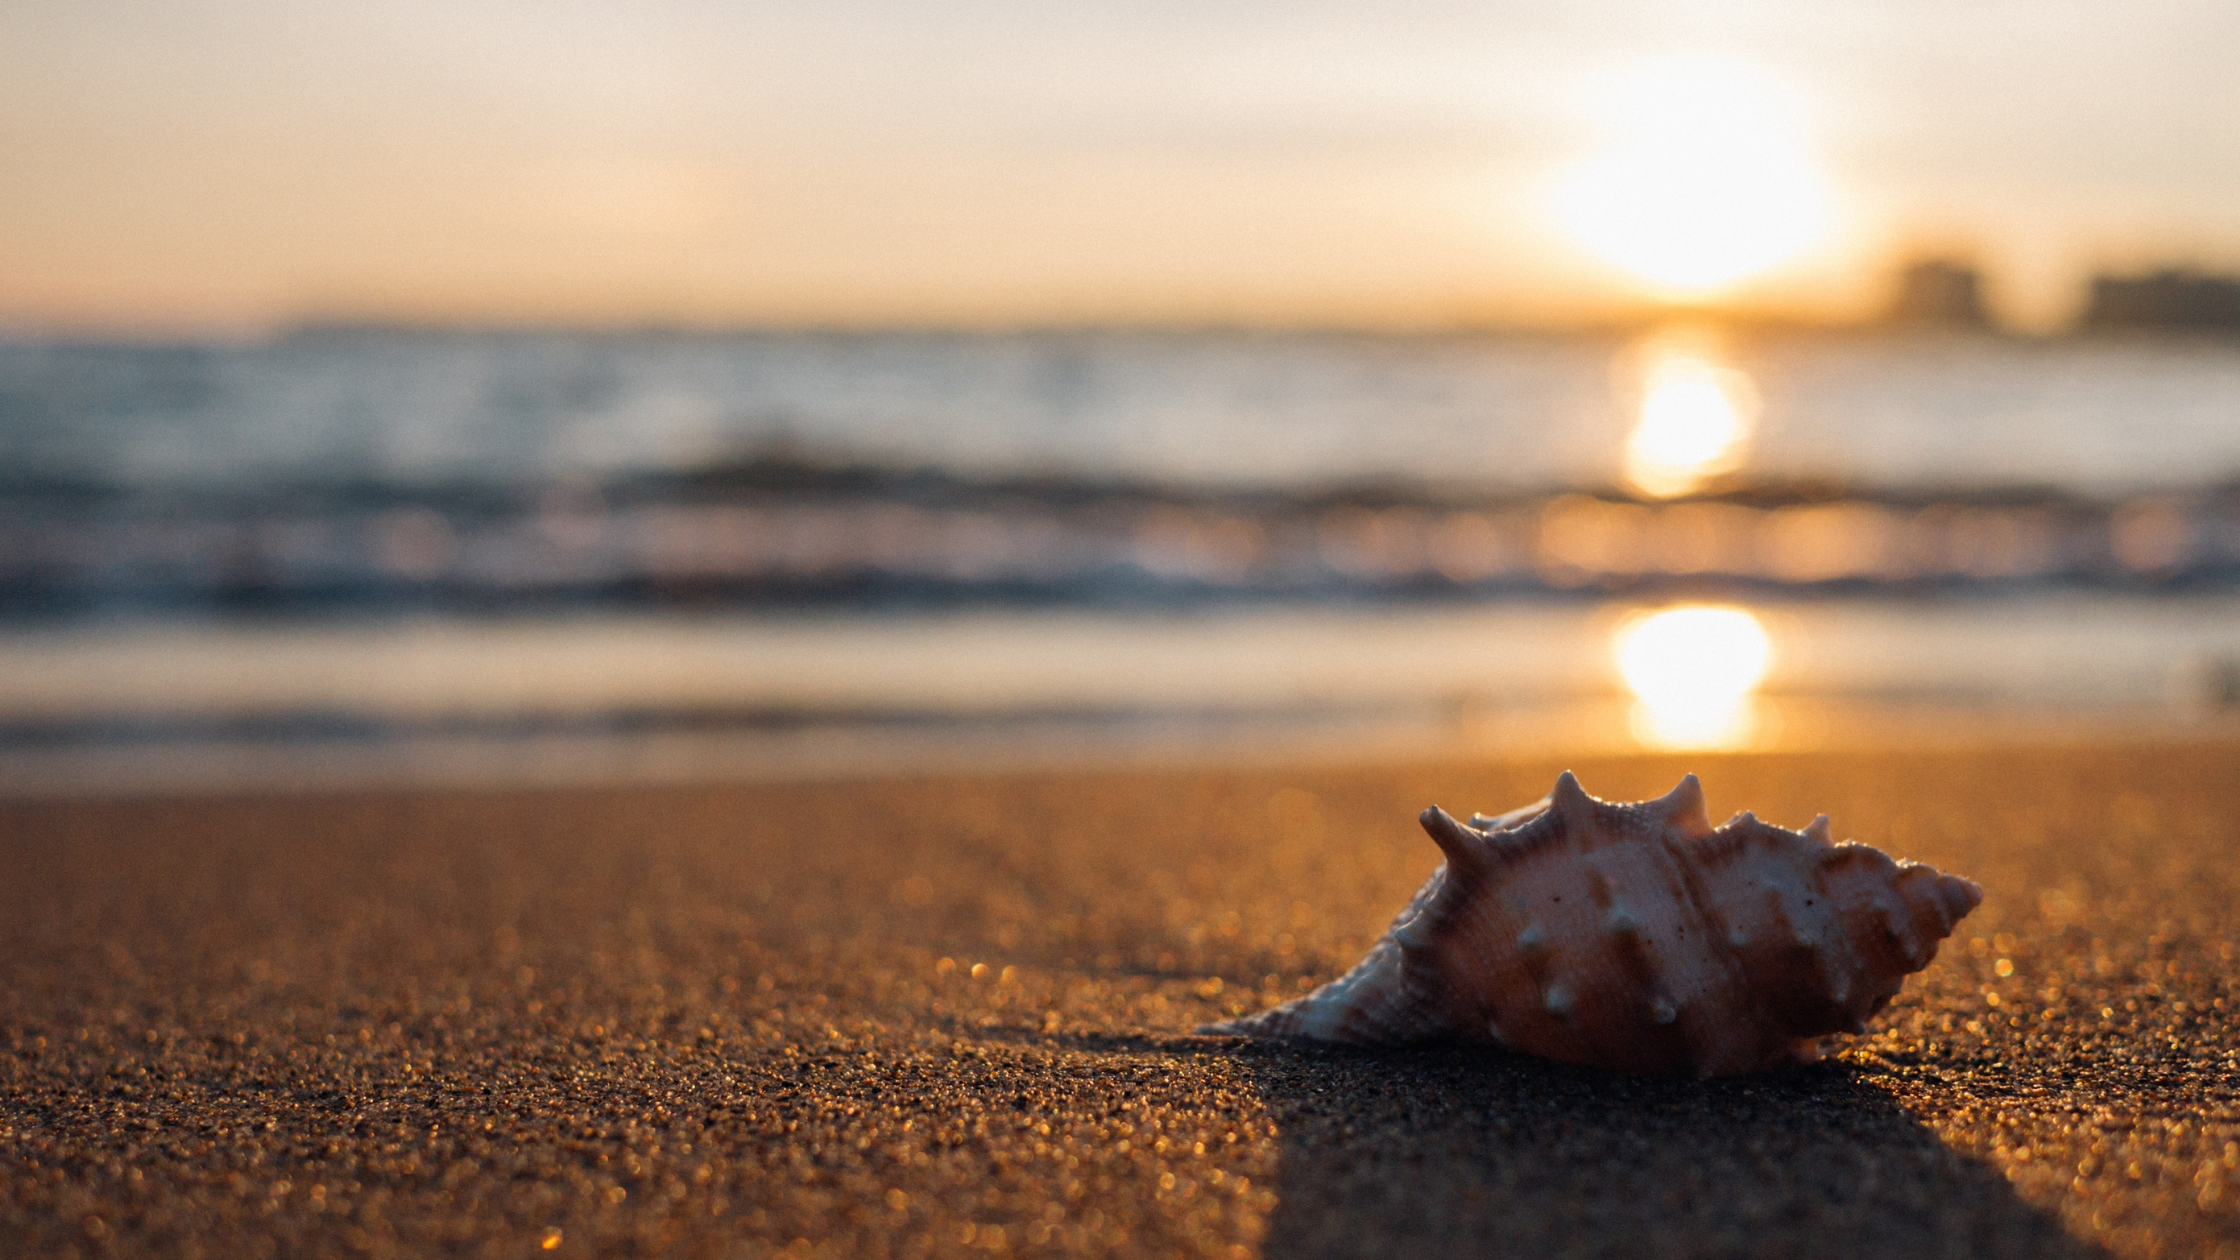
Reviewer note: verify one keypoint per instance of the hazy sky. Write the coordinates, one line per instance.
(236, 163)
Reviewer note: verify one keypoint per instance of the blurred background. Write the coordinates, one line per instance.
(590, 389)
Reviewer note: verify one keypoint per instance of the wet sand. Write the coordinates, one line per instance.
(905, 1017)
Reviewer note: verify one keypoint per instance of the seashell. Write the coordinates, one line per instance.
(1638, 938)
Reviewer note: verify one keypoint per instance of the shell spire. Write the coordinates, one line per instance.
(1638, 938)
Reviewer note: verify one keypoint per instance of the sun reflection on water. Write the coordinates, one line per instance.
(1693, 671)
(1696, 421)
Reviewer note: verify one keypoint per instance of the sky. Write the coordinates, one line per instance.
(245, 164)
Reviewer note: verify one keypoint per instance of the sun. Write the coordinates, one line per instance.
(1704, 179)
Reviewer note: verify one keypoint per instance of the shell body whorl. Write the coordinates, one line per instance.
(1637, 937)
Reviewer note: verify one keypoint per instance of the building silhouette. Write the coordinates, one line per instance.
(1941, 293)
(2176, 298)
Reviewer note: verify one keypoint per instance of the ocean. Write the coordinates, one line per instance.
(415, 549)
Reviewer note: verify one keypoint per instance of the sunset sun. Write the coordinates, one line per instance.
(1703, 178)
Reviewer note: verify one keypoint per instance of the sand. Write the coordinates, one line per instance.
(906, 1017)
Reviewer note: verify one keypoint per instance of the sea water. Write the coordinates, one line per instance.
(355, 538)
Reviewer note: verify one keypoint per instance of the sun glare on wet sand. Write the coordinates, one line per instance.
(1692, 671)
(1704, 178)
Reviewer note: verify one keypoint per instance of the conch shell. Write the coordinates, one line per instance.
(1637, 938)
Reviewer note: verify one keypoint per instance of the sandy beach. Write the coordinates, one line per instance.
(946, 1015)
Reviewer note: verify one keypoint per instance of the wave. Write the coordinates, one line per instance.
(782, 529)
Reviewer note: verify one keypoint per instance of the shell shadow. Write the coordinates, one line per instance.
(1469, 1153)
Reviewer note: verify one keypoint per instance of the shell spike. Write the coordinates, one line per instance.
(1571, 802)
(1818, 829)
(1514, 818)
(1465, 849)
(1683, 807)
